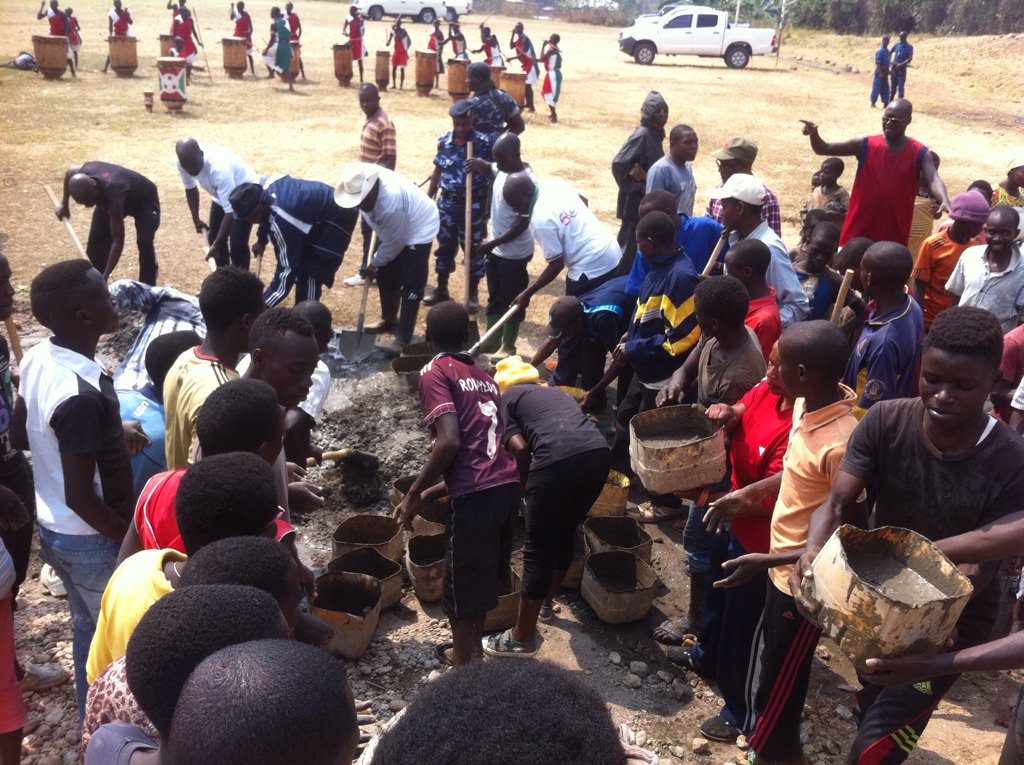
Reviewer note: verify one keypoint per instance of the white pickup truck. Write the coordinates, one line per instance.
(695, 30)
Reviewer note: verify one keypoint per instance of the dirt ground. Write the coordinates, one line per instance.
(971, 119)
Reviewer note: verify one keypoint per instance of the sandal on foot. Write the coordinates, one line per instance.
(445, 653)
(652, 512)
(670, 632)
(719, 729)
(504, 645)
(546, 613)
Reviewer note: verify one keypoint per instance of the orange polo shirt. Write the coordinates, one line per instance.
(817, 445)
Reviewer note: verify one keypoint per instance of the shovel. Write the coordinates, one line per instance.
(495, 329)
(353, 457)
(355, 345)
(474, 329)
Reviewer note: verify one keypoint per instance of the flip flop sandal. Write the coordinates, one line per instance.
(504, 645)
(719, 729)
(651, 512)
(441, 653)
(546, 614)
(669, 632)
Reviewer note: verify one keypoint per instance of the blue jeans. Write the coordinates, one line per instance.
(84, 564)
(880, 86)
(697, 540)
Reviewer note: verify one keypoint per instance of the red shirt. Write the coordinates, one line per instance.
(882, 200)
(756, 450)
(243, 26)
(453, 384)
(1013, 363)
(57, 28)
(121, 25)
(155, 519)
(763, 318)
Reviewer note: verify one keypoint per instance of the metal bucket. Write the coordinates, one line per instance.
(382, 533)
(425, 564)
(408, 368)
(430, 520)
(885, 592)
(368, 561)
(617, 533)
(350, 604)
(422, 348)
(618, 586)
(613, 497)
(504, 615)
(676, 448)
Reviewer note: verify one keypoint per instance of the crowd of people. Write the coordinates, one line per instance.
(827, 363)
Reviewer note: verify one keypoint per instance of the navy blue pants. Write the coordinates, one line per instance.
(452, 234)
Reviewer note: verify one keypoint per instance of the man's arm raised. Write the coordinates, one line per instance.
(822, 147)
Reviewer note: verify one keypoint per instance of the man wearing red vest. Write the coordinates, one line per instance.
(295, 26)
(243, 29)
(58, 25)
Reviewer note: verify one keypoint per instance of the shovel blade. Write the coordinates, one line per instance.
(355, 346)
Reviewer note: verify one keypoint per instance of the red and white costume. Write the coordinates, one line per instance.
(355, 37)
(243, 28)
(400, 57)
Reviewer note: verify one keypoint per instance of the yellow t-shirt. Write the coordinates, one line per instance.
(137, 584)
(189, 381)
(817, 444)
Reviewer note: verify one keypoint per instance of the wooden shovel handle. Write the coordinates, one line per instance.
(844, 289)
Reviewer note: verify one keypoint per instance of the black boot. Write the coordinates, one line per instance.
(440, 293)
(529, 98)
(474, 295)
(406, 326)
(389, 303)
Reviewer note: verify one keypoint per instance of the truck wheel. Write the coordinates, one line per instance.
(427, 16)
(644, 53)
(450, 15)
(376, 13)
(737, 57)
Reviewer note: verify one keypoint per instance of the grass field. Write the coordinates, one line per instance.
(966, 117)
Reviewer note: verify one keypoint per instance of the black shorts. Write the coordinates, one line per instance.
(786, 647)
(478, 548)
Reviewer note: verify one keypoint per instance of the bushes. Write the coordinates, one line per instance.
(971, 17)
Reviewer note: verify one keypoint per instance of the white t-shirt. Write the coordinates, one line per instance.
(222, 171)
(565, 228)
(503, 216)
(403, 216)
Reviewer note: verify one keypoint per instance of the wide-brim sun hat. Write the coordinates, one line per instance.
(357, 179)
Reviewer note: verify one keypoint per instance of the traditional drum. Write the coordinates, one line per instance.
(496, 72)
(124, 59)
(234, 56)
(457, 87)
(343, 64)
(426, 70)
(173, 94)
(166, 43)
(51, 54)
(514, 83)
(383, 71)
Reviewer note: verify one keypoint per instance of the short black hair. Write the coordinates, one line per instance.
(274, 323)
(226, 495)
(829, 229)
(253, 561)
(57, 291)
(837, 163)
(480, 707)
(227, 295)
(1006, 214)
(679, 131)
(723, 298)
(273, 702)
(318, 315)
(852, 253)
(661, 200)
(983, 186)
(239, 416)
(658, 227)
(813, 217)
(891, 263)
(448, 325)
(753, 254)
(820, 346)
(968, 331)
(165, 350)
(184, 627)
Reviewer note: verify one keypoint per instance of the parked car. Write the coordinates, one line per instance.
(695, 30)
(427, 11)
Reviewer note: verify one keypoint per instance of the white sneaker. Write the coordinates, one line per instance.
(355, 281)
(51, 582)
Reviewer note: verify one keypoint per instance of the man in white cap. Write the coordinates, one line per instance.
(742, 197)
(406, 221)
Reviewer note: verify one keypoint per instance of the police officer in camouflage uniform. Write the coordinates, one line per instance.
(450, 176)
(494, 110)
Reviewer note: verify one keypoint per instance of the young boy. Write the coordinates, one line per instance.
(830, 196)
(726, 363)
(940, 253)
(230, 299)
(300, 420)
(748, 262)
(450, 177)
(462, 408)
(223, 496)
(959, 484)
(820, 282)
(991, 276)
(69, 417)
(812, 356)
(885, 362)
(663, 329)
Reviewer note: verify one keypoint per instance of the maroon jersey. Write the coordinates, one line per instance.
(453, 384)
